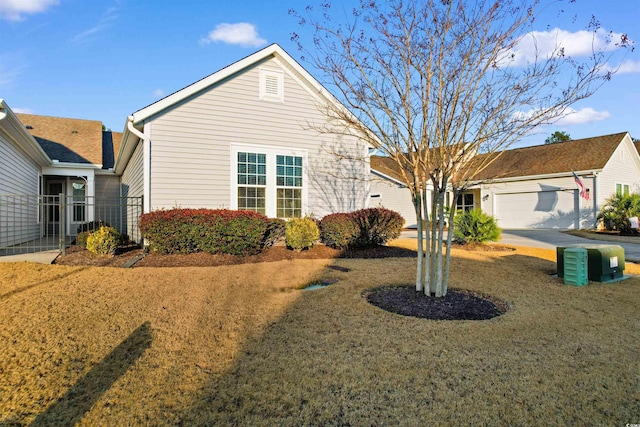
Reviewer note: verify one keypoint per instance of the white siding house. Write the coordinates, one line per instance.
(21, 160)
(244, 137)
(534, 187)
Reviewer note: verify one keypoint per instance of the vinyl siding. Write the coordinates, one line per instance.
(132, 185)
(393, 196)
(191, 145)
(621, 169)
(19, 183)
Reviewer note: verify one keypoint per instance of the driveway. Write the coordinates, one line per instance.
(550, 239)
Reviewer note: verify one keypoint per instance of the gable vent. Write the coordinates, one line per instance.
(271, 85)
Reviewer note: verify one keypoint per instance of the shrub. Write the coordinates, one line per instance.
(376, 226)
(209, 230)
(617, 210)
(300, 233)
(275, 232)
(104, 241)
(338, 230)
(81, 238)
(475, 226)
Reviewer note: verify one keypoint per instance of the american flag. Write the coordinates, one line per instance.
(584, 193)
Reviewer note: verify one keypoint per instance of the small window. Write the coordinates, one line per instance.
(271, 85)
(622, 189)
(465, 202)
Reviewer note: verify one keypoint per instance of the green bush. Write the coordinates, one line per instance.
(338, 230)
(376, 226)
(301, 233)
(475, 226)
(81, 238)
(104, 241)
(617, 210)
(217, 231)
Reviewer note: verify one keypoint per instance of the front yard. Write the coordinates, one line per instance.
(241, 345)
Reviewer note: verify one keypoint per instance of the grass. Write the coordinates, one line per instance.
(241, 345)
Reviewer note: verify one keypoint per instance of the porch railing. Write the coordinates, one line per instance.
(34, 223)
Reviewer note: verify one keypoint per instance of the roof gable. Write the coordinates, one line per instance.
(273, 50)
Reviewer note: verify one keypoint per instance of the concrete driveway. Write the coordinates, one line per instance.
(550, 239)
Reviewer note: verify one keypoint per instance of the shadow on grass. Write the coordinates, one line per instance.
(71, 407)
(44, 282)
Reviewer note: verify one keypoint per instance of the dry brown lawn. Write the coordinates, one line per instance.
(241, 345)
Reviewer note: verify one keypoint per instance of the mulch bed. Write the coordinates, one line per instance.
(456, 305)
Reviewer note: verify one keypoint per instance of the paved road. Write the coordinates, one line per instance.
(550, 239)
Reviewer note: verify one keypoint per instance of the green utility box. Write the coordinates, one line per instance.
(605, 262)
(575, 267)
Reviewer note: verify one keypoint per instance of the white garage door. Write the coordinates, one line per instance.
(542, 209)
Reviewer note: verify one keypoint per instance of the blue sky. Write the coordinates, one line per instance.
(104, 59)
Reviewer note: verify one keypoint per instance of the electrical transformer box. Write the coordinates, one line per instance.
(605, 262)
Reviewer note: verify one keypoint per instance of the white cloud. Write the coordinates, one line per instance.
(540, 45)
(105, 22)
(22, 110)
(582, 116)
(13, 10)
(629, 66)
(158, 93)
(242, 33)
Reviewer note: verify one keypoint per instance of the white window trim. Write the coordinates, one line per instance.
(270, 193)
(462, 205)
(278, 74)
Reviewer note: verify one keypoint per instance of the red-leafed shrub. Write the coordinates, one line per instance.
(217, 231)
(338, 230)
(377, 226)
(366, 227)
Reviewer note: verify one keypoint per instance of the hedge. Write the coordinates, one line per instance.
(216, 231)
(365, 227)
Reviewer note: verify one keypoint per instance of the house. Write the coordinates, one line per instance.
(245, 137)
(534, 187)
(49, 162)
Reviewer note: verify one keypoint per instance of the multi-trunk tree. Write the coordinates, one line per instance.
(442, 87)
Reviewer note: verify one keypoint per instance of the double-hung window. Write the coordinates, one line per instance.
(269, 180)
(289, 186)
(252, 181)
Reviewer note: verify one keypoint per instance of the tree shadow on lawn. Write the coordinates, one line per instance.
(334, 359)
(71, 407)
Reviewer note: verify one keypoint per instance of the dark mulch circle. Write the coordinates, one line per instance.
(458, 304)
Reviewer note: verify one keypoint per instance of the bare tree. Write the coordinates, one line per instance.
(440, 87)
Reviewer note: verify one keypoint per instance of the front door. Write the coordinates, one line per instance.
(52, 206)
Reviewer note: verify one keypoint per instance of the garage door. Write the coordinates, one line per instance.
(542, 209)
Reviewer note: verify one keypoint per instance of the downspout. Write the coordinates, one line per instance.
(146, 164)
(595, 200)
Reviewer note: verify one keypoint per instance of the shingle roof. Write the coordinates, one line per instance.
(71, 140)
(386, 166)
(576, 155)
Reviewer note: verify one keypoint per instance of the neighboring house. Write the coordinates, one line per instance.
(534, 187)
(388, 189)
(49, 162)
(245, 137)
